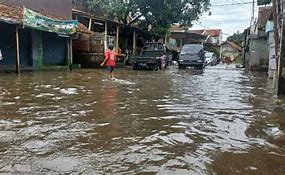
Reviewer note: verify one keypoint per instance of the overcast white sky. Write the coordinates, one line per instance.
(229, 18)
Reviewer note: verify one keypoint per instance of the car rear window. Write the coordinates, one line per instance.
(153, 46)
(209, 54)
(192, 49)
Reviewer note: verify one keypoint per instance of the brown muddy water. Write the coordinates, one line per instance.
(220, 121)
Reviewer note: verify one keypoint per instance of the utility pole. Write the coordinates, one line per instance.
(276, 34)
(253, 6)
(253, 11)
(251, 31)
(281, 53)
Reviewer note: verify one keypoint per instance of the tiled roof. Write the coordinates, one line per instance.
(233, 45)
(83, 29)
(14, 14)
(11, 14)
(177, 28)
(211, 32)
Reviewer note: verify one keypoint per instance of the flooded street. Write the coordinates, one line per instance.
(221, 121)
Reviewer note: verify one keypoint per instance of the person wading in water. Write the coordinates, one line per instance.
(110, 61)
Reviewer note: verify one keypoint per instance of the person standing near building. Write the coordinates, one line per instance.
(110, 61)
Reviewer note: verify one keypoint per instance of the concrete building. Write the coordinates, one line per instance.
(257, 42)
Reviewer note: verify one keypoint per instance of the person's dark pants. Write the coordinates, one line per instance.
(110, 69)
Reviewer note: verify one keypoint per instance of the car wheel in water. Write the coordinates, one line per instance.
(198, 67)
(155, 68)
(181, 67)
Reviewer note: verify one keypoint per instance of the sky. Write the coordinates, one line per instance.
(229, 18)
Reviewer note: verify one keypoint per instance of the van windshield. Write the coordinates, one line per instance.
(191, 49)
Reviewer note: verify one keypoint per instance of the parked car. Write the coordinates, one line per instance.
(211, 58)
(151, 57)
(192, 55)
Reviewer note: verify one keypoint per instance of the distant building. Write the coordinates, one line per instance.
(230, 49)
(257, 48)
(181, 35)
(216, 34)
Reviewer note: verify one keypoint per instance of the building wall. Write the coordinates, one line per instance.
(215, 40)
(54, 49)
(80, 5)
(258, 55)
(61, 8)
(36, 48)
(8, 45)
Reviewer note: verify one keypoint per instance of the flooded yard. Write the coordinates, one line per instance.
(220, 121)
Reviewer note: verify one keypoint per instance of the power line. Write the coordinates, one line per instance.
(244, 6)
(229, 13)
(209, 28)
(231, 4)
(223, 21)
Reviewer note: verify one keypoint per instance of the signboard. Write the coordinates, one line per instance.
(38, 21)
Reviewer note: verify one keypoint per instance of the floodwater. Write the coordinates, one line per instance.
(220, 121)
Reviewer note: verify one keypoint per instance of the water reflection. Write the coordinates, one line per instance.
(221, 120)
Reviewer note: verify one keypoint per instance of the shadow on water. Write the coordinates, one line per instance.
(219, 121)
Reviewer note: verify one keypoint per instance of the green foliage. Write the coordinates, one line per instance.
(237, 38)
(112, 9)
(157, 15)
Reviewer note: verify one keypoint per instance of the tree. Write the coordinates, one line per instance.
(120, 9)
(236, 38)
(155, 15)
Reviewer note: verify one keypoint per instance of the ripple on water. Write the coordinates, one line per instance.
(171, 122)
(69, 91)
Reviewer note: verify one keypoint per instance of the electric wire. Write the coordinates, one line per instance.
(231, 4)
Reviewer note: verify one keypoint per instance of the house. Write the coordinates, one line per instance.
(275, 30)
(216, 34)
(26, 45)
(89, 50)
(182, 35)
(231, 50)
(257, 42)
